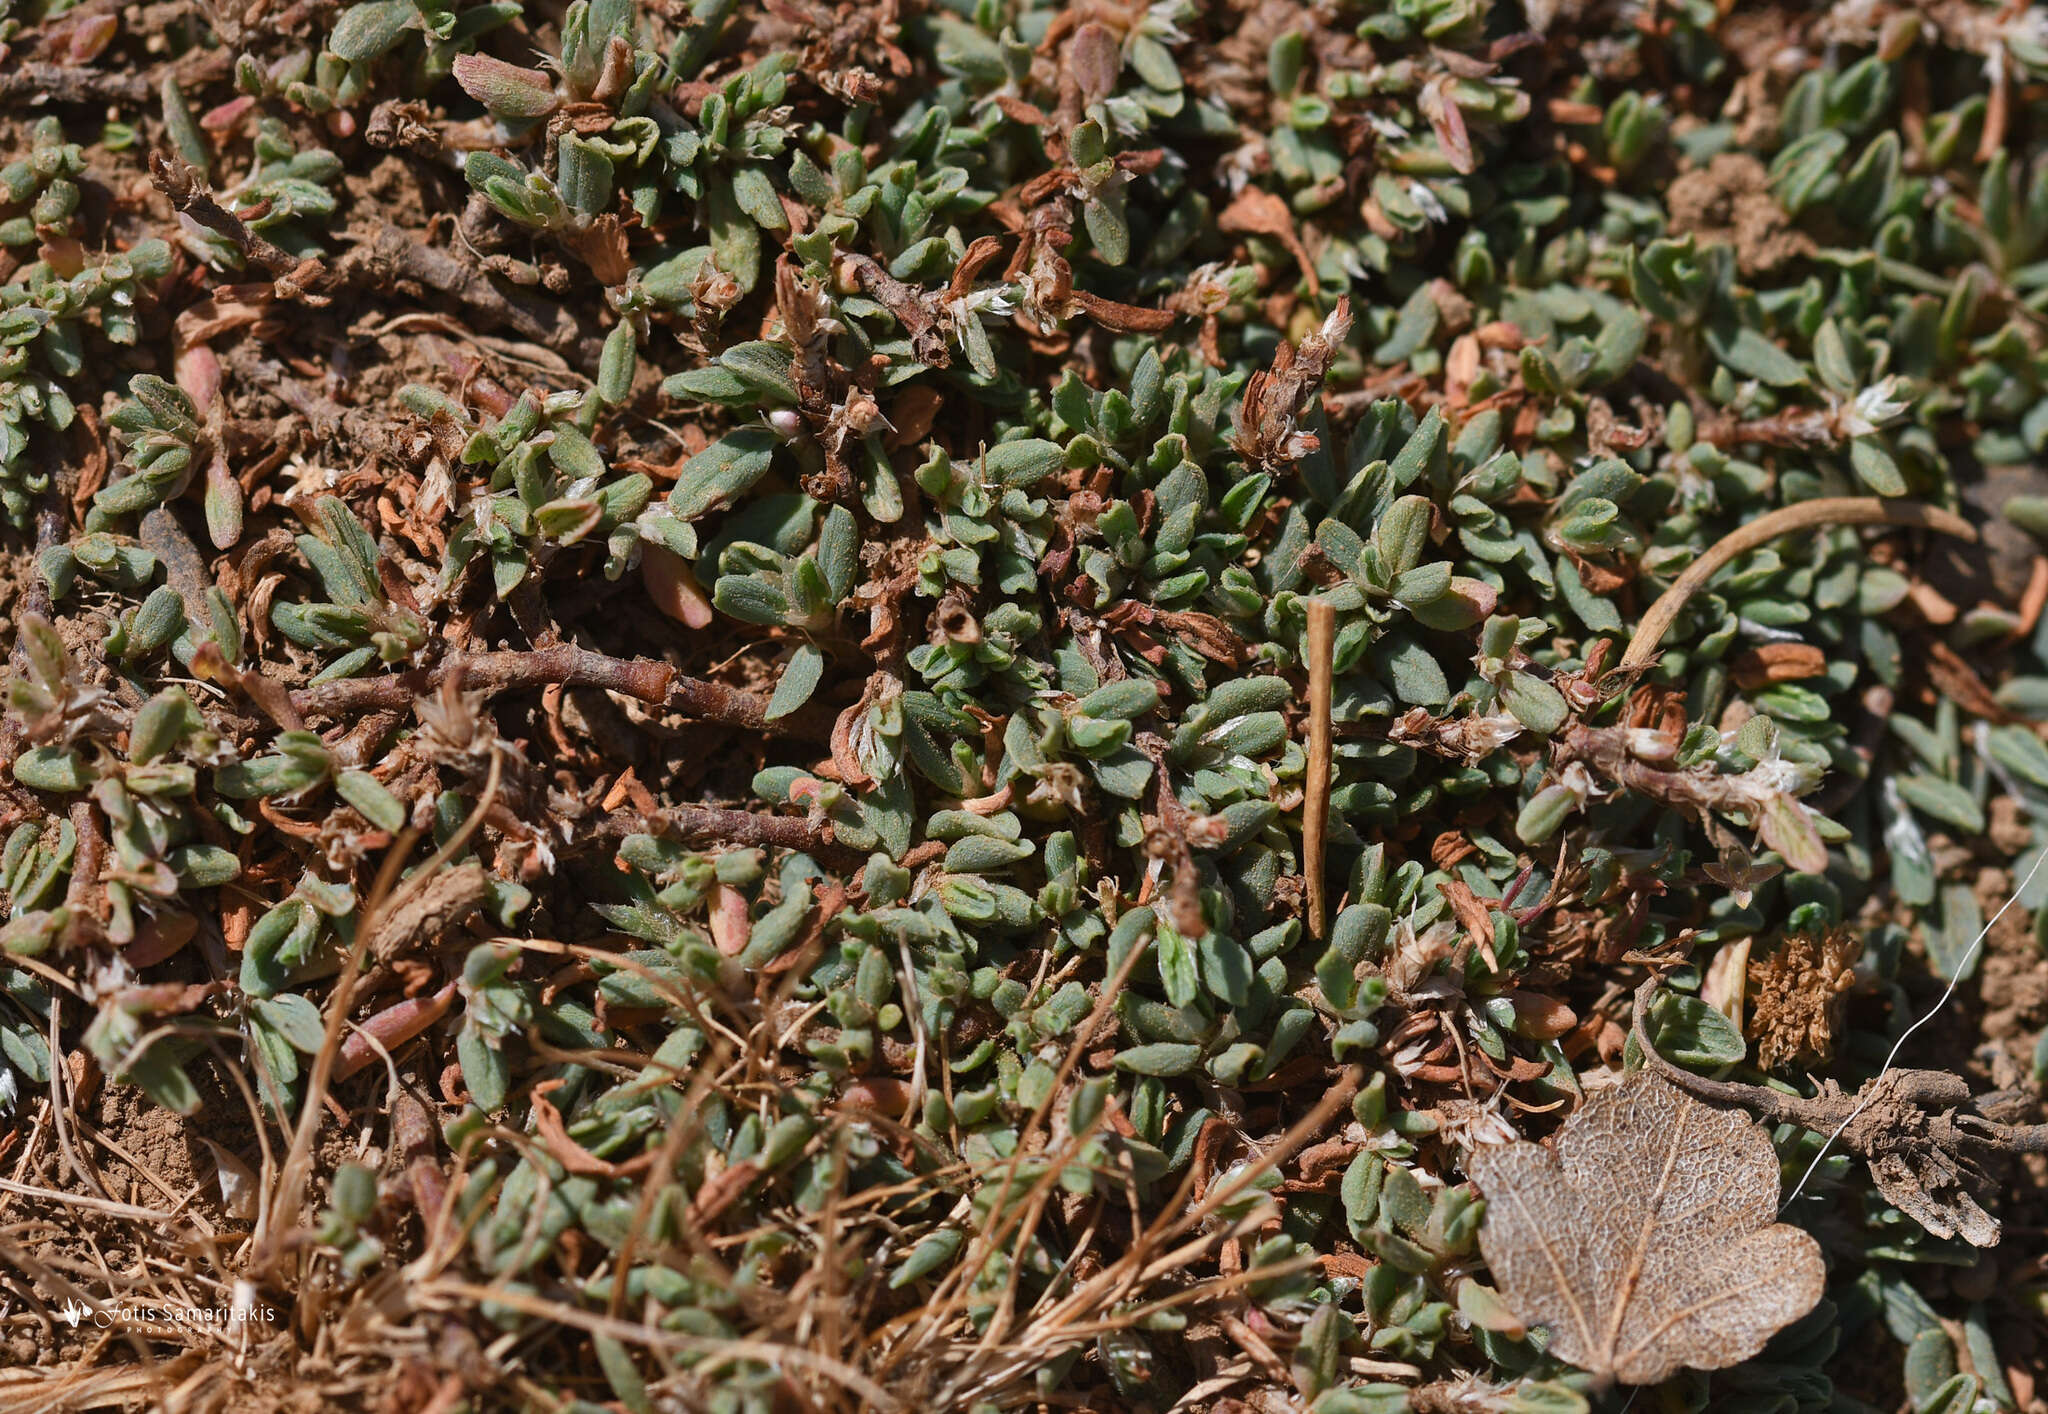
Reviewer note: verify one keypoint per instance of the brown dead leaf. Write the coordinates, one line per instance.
(1124, 318)
(1777, 662)
(1952, 676)
(433, 912)
(1473, 916)
(572, 1156)
(1346, 1264)
(720, 1190)
(602, 246)
(912, 414)
(1256, 212)
(1644, 1239)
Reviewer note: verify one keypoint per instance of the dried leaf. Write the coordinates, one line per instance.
(239, 1186)
(1255, 212)
(1644, 1238)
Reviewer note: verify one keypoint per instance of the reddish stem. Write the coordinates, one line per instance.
(391, 1028)
(642, 679)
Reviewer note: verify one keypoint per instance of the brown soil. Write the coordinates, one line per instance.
(1729, 201)
(2014, 984)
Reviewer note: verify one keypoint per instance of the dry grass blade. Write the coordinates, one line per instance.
(715, 1353)
(294, 1173)
(670, 735)
(1315, 810)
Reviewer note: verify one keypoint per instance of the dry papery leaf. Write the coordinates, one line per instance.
(1643, 1235)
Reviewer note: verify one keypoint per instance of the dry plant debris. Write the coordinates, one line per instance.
(1931, 1145)
(1796, 993)
(1644, 1235)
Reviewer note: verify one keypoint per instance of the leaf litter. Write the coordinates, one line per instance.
(1644, 1236)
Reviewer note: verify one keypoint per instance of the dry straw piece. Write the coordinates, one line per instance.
(1315, 815)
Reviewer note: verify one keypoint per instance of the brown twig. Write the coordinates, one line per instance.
(50, 527)
(393, 256)
(1315, 810)
(1169, 843)
(1772, 1105)
(361, 744)
(187, 191)
(82, 895)
(1922, 1133)
(907, 303)
(73, 83)
(1805, 515)
(714, 824)
(1762, 795)
(710, 824)
(1609, 751)
(642, 679)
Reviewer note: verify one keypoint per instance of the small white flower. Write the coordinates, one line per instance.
(1162, 22)
(1485, 734)
(1653, 746)
(1415, 954)
(1469, 1124)
(1994, 62)
(1239, 164)
(1875, 406)
(1780, 777)
(1579, 781)
(995, 302)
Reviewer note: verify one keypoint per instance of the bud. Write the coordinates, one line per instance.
(1545, 813)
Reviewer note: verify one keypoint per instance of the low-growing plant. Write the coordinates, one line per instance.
(972, 705)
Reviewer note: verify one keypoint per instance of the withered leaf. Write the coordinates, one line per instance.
(1643, 1237)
